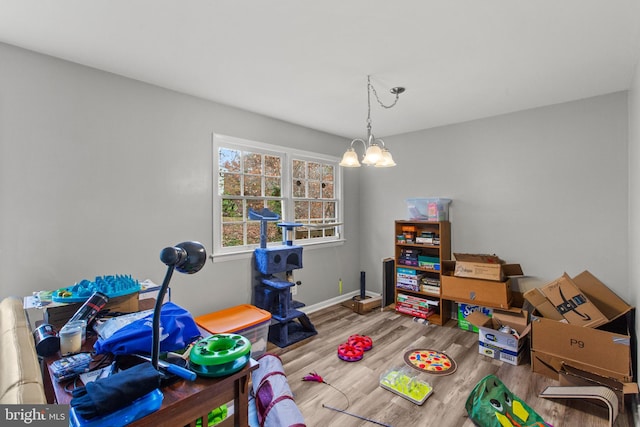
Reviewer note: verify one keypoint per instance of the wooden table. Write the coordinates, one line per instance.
(184, 401)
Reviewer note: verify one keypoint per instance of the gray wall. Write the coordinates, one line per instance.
(98, 173)
(547, 188)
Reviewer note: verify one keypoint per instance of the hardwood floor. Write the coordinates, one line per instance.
(392, 335)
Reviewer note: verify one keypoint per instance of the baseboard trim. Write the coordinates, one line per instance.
(333, 301)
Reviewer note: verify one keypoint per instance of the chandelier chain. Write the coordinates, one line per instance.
(378, 98)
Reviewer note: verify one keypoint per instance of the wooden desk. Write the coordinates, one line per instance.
(185, 401)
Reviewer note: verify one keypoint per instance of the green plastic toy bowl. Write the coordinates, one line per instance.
(220, 355)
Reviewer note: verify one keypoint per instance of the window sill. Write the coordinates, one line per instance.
(248, 253)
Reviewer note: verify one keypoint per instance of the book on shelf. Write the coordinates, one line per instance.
(416, 313)
(431, 289)
(407, 286)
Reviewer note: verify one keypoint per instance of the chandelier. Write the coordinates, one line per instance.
(375, 153)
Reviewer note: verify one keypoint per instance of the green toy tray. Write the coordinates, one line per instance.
(405, 383)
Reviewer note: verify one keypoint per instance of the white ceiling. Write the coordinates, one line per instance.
(307, 62)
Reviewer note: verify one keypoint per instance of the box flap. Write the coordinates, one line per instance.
(447, 267)
(511, 270)
(542, 304)
(610, 304)
(516, 318)
(479, 319)
(484, 258)
(570, 301)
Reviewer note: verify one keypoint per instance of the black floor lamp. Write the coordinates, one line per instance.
(186, 257)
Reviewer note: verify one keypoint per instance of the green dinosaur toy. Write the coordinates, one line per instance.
(491, 404)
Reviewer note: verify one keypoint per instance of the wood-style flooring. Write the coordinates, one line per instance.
(392, 335)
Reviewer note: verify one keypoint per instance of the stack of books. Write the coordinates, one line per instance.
(407, 278)
(428, 284)
(409, 256)
(415, 306)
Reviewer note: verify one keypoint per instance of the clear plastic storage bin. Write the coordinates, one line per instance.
(428, 209)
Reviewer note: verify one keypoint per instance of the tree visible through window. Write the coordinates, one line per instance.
(299, 187)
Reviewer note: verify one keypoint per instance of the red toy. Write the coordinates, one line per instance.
(361, 340)
(350, 353)
(353, 350)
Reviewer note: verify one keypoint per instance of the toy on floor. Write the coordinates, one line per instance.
(361, 340)
(314, 377)
(491, 404)
(356, 416)
(430, 361)
(403, 383)
(353, 350)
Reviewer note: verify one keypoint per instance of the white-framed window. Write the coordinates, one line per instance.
(299, 186)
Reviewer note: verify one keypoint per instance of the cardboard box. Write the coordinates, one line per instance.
(59, 314)
(504, 346)
(565, 296)
(605, 351)
(487, 293)
(485, 267)
(363, 306)
(464, 310)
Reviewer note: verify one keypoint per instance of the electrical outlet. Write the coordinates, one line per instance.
(294, 290)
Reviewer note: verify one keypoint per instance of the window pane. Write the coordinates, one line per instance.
(256, 205)
(314, 189)
(299, 169)
(316, 210)
(232, 210)
(302, 233)
(229, 160)
(316, 233)
(327, 173)
(274, 233)
(275, 206)
(253, 232)
(252, 185)
(327, 190)
(301, 211)
(315, 171)
(232, 235)
(253, 163)
(272, 166)
(298, 188)
(330, 211)
(230, 184)
(272, 187)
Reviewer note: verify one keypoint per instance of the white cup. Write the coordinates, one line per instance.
(83, 325)
(70, 338)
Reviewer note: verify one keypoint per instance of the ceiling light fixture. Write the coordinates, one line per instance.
(376, 153)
